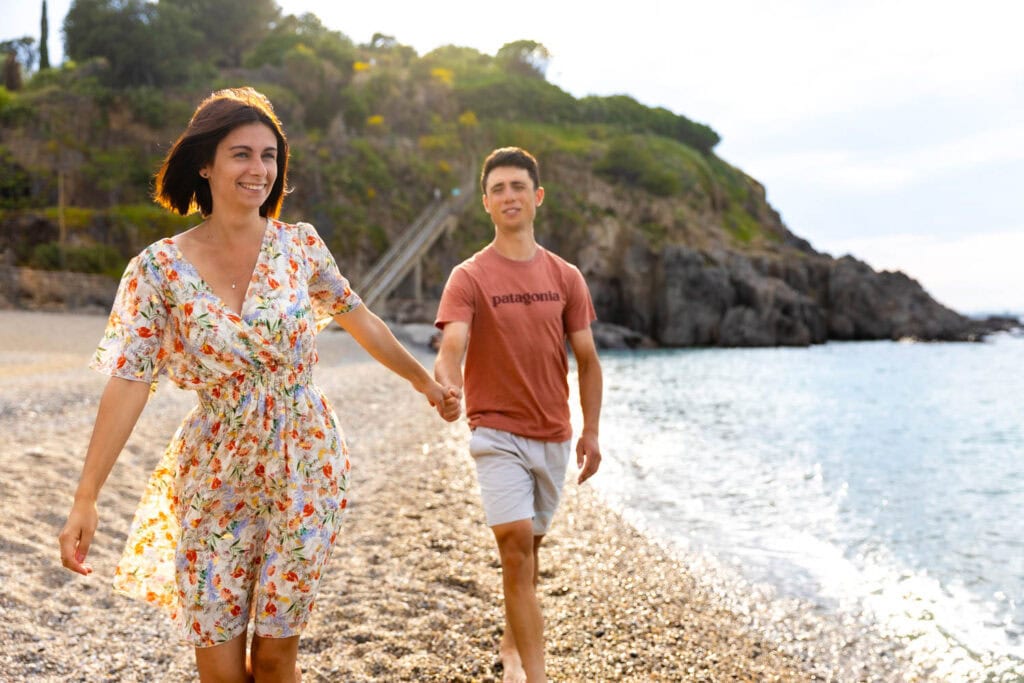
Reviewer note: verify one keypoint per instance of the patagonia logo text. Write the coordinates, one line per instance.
(526, 298)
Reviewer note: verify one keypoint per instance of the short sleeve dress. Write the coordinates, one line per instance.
(239, 517)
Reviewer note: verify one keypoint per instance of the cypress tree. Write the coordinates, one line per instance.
(12, 72)
(44, 51)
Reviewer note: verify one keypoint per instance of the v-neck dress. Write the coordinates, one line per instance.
(239, 517)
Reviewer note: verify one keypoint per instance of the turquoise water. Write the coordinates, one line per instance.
(884, 479)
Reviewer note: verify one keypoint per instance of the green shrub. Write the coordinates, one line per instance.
(630, 161)
(143, 224)
(16, 111)
(76, 219)
(657, 164)
(152, 107)
(741, 225)
(15, 182)
(626, 113)
(513, 97)
(95, 258)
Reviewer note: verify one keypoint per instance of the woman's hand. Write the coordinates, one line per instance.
(447, 400)
(119, 409)
(76, 536)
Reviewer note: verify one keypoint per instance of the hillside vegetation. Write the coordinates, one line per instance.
(374, 130)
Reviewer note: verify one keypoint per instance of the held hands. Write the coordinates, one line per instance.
(76, 536)
(451, 408)
(588, 456)
(447, 400)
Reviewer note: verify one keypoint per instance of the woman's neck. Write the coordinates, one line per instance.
(228, 228)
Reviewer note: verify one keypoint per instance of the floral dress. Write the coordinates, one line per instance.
(238, 519)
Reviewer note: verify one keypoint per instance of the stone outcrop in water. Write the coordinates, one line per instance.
(689, 297)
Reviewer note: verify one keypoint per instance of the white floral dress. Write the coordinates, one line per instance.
(240, 515)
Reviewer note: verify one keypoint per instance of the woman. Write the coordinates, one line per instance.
(239, 517)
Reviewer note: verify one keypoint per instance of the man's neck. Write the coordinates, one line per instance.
(519, 246)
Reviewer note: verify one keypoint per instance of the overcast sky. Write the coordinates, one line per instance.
(892, 130)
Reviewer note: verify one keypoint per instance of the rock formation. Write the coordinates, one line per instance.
(697, 285)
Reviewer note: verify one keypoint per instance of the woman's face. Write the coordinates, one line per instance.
(244, 168)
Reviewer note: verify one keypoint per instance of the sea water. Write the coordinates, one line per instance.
(881, 478)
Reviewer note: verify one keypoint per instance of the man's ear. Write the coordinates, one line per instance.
(539, 196)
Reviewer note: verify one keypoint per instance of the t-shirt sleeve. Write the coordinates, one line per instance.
(456, 300)
(329, 291)
(132, 344)
(579, 309)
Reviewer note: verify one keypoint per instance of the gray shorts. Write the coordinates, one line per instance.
(519, 478)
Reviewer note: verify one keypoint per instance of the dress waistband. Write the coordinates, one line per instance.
(281, 387)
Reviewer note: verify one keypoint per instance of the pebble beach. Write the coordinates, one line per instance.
(413, 589)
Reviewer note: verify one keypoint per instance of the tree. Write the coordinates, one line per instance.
(145, 44)
(229, 28)
(44, 37)
(12, 72)
(116, 31)
(388, 51)
(381, 41)
(525, 57)
(462, 61)
(333, 46)
(24, 50)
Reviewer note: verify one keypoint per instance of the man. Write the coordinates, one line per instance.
(509, 309)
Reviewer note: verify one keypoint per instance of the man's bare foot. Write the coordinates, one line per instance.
(511, 664)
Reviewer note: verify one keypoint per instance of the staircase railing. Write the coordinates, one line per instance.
(411, 246)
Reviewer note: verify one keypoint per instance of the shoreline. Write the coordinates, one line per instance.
(412, 591)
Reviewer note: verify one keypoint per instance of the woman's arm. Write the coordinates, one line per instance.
(373, 335)
(120, 406)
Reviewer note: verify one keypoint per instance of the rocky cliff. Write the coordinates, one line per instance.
(680, 273)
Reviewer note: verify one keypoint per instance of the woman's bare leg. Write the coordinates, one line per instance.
(274, 660)
(224, 663)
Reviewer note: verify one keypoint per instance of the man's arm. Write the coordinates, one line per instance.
(448, 364)
(588, 451)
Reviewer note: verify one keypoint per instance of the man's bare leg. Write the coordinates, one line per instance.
(511, 662)
(522, 645)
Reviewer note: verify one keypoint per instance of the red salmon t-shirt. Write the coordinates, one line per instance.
(519, 314)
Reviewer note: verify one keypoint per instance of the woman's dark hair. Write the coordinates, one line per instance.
(180, 188)
(510, 156)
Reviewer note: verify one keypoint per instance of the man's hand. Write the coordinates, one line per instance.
(588, 456)
(451, 407)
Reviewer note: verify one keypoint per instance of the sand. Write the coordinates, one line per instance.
(412, 592)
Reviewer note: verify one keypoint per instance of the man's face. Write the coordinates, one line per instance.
(511, 198)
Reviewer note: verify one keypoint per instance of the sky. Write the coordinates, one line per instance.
(892, 130)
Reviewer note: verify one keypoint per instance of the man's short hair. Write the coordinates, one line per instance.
(510, 156)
